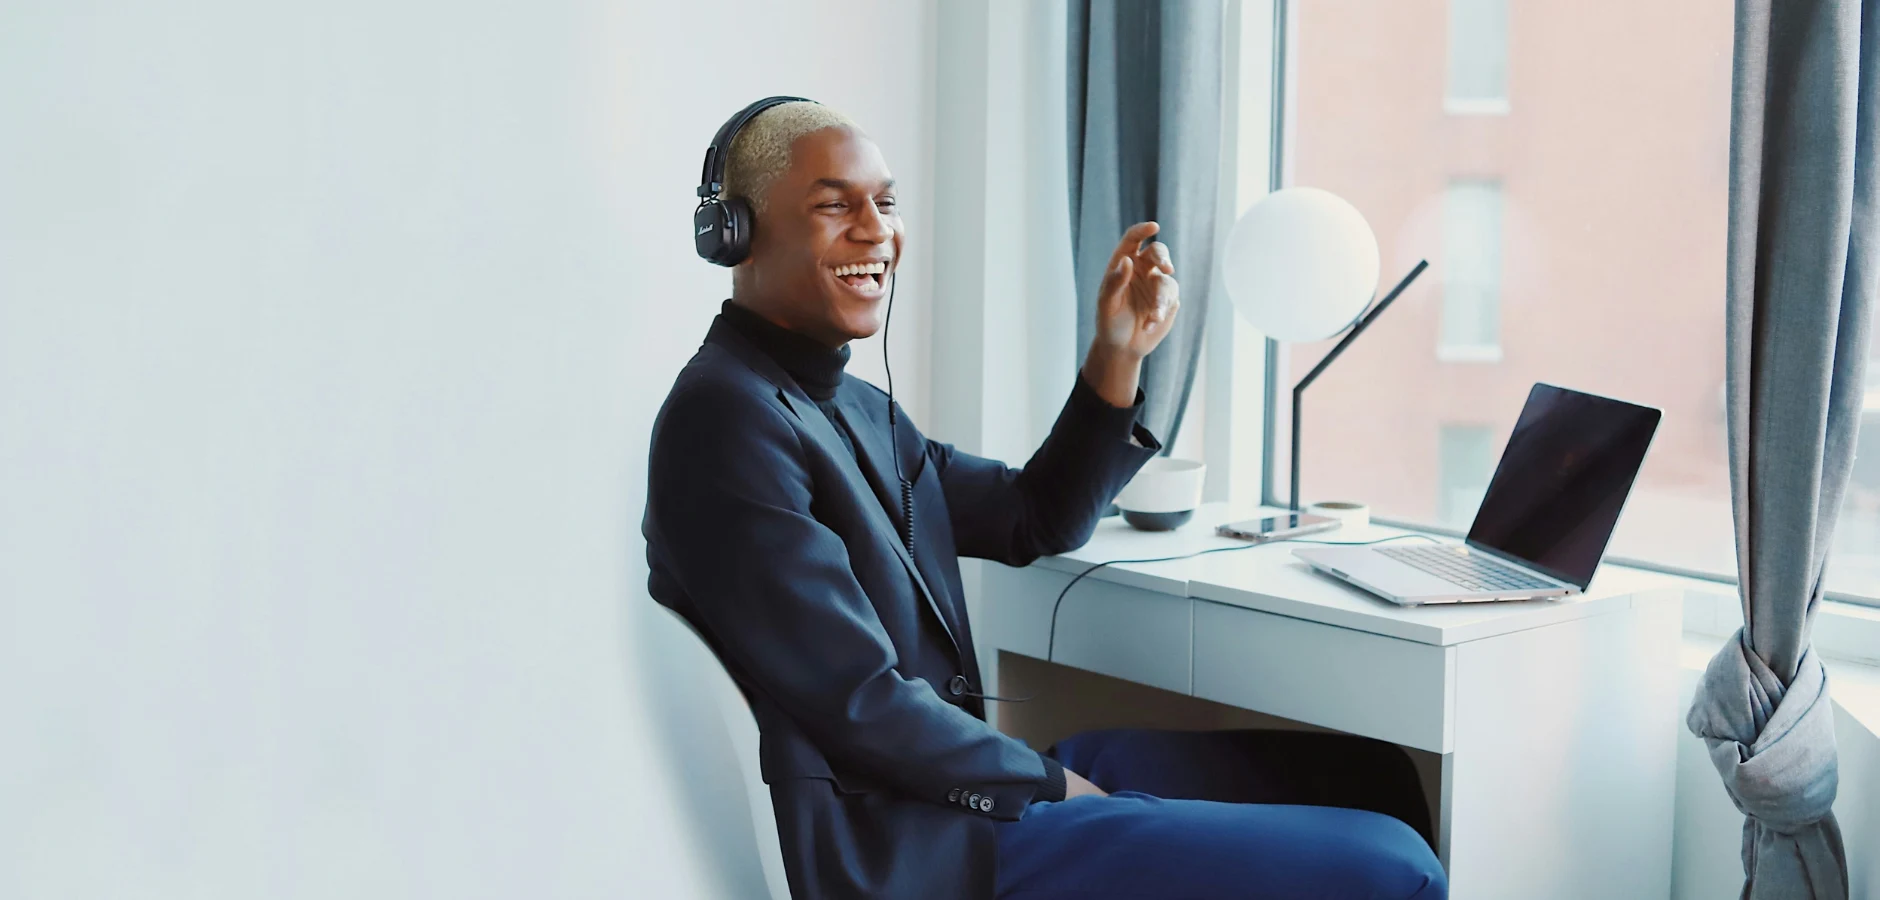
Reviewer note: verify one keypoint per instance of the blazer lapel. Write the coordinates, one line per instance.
(824, 434)
(869, 421)
(876, 457)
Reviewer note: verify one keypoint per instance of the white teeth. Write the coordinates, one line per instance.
(870, 268)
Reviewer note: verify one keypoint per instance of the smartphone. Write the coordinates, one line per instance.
(1277, 528)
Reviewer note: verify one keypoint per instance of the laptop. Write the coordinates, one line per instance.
(1543, 524)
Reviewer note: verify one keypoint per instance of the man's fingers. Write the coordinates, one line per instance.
(1166, 298)
(1115, 281)
(1156, 255)
(1132, 240)
(1165, 310)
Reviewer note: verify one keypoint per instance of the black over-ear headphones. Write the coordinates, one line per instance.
(721, 226)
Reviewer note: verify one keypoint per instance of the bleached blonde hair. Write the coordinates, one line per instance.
(761, 151)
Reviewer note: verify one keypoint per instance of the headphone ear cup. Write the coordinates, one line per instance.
(738, 223)
(710, 231)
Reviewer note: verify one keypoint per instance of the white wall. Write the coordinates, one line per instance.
(1004, 341)
(330, 339)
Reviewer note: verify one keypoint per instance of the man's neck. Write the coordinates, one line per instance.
(772, 314)
(816, 368)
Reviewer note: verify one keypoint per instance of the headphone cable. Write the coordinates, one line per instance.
(894, 436)
(1050, 646)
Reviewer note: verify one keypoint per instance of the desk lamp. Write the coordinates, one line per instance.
(1302, 265)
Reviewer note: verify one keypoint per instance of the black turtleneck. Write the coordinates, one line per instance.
(816, 367)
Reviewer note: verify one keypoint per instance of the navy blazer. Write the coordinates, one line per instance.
(768, 536)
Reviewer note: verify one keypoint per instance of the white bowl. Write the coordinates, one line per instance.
(1164, 494)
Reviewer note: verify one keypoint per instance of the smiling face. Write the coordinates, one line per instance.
(826, 241)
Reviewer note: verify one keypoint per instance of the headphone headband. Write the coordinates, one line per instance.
(721, 226)
(712, 178)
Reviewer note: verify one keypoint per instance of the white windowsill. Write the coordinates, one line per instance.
(1854, 687)
(1475, 106)
(1843, 631)
(1847, 637)
(1468, 353)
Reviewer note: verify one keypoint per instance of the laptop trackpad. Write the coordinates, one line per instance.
(1381, 574)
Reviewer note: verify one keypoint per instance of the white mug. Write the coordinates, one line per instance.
(1163, 495)
(1349, 515)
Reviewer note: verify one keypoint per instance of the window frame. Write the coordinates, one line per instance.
(1473, 106)
(1471, 351)
(1275, 356)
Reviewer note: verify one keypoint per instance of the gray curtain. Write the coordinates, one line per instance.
(1800, 289)
(1145, 143)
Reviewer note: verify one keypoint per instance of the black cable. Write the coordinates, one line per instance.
(907, 487)
(1050, 646)
(894, 436)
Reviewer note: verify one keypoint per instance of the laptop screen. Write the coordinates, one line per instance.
(1562, 481)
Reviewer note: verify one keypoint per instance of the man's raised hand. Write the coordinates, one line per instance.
(1138, 298)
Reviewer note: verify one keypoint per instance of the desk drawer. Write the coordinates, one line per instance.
(1381, 687)
(1112, 629)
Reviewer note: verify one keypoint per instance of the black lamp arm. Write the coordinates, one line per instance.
(1299, 390)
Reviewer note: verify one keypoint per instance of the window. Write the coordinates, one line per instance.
(1581, 236)
(1854, 567)
(1465, 462)
(1471, 272)
(1478, 57)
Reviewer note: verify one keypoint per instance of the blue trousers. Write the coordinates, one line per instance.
(1240, 814)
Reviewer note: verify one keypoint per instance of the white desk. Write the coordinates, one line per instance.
(1555, 720)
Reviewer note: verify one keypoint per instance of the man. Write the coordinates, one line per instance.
(828, 584)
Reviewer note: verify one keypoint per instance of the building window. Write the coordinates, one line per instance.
(1471, 324)
(1478, 57)
(1465, 463)
(1604, 217)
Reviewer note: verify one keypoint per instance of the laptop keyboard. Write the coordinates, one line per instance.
(1456, 565)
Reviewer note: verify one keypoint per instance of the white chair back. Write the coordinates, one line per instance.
(742, 728)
